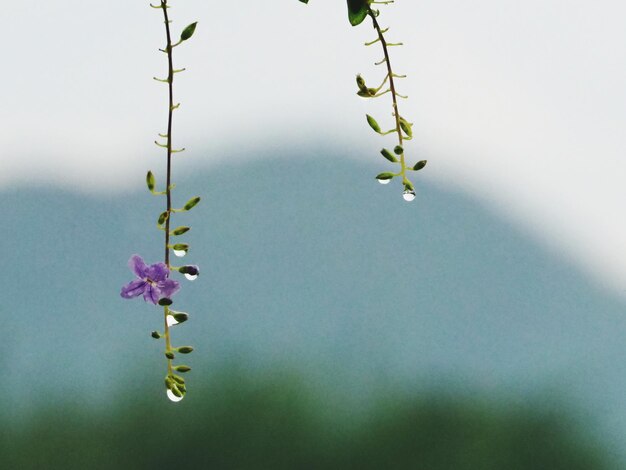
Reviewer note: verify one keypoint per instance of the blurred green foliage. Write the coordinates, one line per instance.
(279, 423)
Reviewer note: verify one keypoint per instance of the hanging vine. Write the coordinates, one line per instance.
(153, 281)
(358, 11)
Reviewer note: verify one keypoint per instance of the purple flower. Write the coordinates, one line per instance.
(152, 281)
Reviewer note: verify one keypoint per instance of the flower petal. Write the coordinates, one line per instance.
(137, 265)
(133, 289)
(157, 272)
(168, 287)
(152, 294)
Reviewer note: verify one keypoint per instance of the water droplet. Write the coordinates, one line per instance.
(171, 321)
(191, 277)
(173, 397)
(180, 253)
(384, 181)
(408, 195)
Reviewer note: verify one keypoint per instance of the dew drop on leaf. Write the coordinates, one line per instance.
(171, 321)
(180, 253)
(173, 397)
(408, 195)
(381, 181)
(191, 277)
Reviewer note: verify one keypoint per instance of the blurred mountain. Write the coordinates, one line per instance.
(307, 264)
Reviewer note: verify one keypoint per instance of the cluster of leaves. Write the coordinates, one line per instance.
(175, 384)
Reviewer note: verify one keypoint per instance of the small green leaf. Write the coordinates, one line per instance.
(367, 93)
(357, 11)
(304, 1)
(182, 369)
(169, 354)
(178, 379)
(150, 181)
(419, 165)
(188, 31)
(406, 127)
(180, 231)
(192, 270)
(185, 349)
(388, 155)
(398, 150)
(385, 176)
(408, 186)
(162, 218)
(191, 203)
(373, 124)
(181, 247)
(164, 302)
(155, 335)
(180, 317)
(360, 82)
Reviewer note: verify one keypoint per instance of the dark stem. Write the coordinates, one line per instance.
(170, 80)
(392, 86)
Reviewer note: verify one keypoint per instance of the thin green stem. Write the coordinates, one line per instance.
(168, 341)
(392, 87)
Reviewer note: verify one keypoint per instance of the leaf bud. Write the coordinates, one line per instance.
(185, 349)
(406, 127)
(191, 203)
(385, 176)
(180, 230)
(188, 31)
(156, 335)
(182, 369)
(419, 165)
(163, 217)
(164, 302)
(398, 150)
(368, 93)
(150, 181)
(389, 156)
(180, 317)
(169, 354)
(373, 124)
(360, 82)
(192, 270)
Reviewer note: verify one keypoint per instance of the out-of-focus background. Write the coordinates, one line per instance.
(335, 325)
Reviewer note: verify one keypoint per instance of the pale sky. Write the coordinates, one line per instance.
(520, 103)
